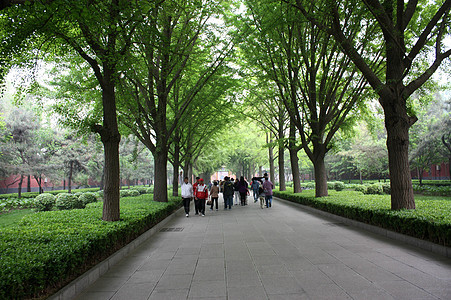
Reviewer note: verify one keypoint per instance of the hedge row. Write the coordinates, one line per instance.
(48, 249)
(430, 220)
(28, 195)
(34, 200)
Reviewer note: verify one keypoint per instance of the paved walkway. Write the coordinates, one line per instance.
(282, 252)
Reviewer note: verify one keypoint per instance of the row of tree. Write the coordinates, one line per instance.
(168, 72)
(325, 60)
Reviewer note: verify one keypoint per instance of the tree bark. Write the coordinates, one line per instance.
(271, 158)
(160, 191)
(69, 179)
(397, 123)
(294, 160)
(110, 138)
(175, 180)
(29, 183)
(176, 164)
(19, 190)
(320, 171)
(281, 158)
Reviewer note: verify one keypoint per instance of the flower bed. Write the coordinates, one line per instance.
(48, 249)
(431, 220)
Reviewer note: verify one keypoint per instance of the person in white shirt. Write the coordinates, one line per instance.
(187, 195)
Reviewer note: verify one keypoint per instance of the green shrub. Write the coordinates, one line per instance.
(133, 193)
(87, 198)
(339, 186)
(141, 189)
(68, 201)
(386, 188)
(124, 193)
(149, 190)
(360, 188)
(14, 203)
(374, 189)
(308, 185)
(430, 220)
(48, 249)
(78, 194)
(45, 202)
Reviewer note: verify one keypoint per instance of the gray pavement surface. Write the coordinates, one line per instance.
(282, 252)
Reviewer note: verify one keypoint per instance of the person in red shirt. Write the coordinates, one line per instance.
(196, 201)
(201, 194)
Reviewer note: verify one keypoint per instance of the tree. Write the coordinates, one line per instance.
(267, 109)
(409, 32)
(427, 135)
(102, 45)
(167, 42)
(29, 147)
(318, 85)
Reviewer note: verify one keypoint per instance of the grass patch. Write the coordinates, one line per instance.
(431, 220)
(13, 217)
(44, 251)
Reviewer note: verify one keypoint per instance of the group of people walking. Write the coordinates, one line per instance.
(239, 189)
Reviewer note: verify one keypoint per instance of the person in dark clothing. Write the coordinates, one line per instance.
(237, 191)
(228, 193)
(242, 189)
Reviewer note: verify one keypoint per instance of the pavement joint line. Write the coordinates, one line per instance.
(78, 285)
(412, 241)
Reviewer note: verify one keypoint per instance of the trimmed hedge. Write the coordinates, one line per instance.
(68, 201)
(45, 202)
(27, 195)
(430, 221)
(48, 249)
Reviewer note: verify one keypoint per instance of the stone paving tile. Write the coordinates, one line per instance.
(248, 293)
(207, 289)
(134, 291)
(281, 285)
(278, 253)
(326, 292)
(169, 294)
(174, 282)
(241, 280)
(95, 296)
(209, 273)
(404, 290)
(107, 284)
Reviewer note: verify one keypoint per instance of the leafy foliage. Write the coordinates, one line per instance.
(429, 221)
(48, 248)
(45, 202)
(68, 201)
(87, 198)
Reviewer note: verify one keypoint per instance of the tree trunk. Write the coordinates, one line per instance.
(294, 160)
(271, 159)
(320, 172)
(420, 176)
(19, 190)
(397, 123)
(176, 164)
(175, 180)
(360, 176)
(69, 180)
(110, 138)
(160, 190)
(29, 183)
(281, 160)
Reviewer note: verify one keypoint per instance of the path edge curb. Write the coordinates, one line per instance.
(413, 241)
(78, 285)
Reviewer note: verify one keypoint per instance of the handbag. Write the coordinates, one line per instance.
(208, 202)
